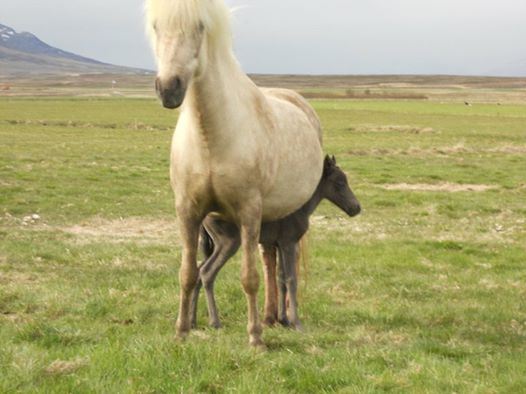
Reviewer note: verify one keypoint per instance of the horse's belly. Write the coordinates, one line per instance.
(283, 177)
(290, 194)
(281, 191)
(297, 176)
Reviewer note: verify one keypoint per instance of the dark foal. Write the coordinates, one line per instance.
(220, 240)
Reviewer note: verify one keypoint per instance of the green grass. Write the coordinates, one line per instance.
(423, 292)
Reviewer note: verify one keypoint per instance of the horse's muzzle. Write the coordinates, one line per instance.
(170, 92)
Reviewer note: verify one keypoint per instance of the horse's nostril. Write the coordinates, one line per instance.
(177, 84)
(171, 91)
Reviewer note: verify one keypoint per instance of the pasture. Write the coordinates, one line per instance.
(423, 292)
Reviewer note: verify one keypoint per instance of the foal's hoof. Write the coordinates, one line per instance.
(215, 324)
(285, 322)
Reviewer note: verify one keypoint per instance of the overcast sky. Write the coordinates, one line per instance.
(306, 36)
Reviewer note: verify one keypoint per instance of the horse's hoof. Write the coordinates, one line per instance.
(181, 333)
(298, 327)
(180, 338)
(257, 344)
(269, 321)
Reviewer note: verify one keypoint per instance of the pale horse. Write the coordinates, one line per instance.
(240, 153)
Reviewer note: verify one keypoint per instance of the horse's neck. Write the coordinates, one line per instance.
(218, 96)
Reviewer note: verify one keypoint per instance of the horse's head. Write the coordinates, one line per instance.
(177, 32)
(336, 189)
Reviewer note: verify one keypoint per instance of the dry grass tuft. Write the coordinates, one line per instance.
(407, 129)
(61, 367)
(440, 187)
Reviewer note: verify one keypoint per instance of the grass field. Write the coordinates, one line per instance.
(424, 292)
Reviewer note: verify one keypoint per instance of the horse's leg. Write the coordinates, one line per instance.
(268, 252)
(226, 248)
(289, 254)
(250, 223)
(188, 273)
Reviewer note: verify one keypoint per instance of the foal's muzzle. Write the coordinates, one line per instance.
(170, 92)
(354, 209)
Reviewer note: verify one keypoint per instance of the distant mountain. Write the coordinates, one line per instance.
(25, 54)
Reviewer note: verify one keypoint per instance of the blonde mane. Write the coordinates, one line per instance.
(186, 15)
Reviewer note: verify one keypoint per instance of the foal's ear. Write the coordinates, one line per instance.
(330, 160)
(328, 164)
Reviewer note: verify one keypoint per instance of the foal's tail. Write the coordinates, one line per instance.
(303, 260)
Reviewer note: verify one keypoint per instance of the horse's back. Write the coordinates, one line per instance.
(298, 101)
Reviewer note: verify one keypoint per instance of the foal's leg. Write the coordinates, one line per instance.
(188, 273)
(288, 255)
(268, 252)
(250, 228)
(282, 287)
(208, 273)
(207, 248)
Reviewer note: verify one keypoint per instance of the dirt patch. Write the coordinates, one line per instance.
(440, 187)
(133, 229)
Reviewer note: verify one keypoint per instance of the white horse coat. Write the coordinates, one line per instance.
(243, 153)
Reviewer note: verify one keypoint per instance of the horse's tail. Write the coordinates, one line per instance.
(206, 243)
(302, 259)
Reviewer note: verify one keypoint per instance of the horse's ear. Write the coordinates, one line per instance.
(333, 160)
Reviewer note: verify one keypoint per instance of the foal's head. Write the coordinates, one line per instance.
(335, 188)
(180, 31)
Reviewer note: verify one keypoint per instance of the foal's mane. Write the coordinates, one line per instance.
(187, 15)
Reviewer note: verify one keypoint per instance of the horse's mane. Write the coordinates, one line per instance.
(186, 15)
